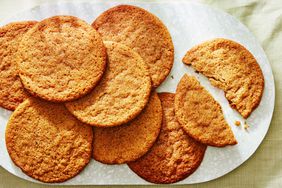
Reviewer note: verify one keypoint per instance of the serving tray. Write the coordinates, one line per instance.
(189, 25)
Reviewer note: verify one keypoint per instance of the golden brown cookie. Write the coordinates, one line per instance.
(232, 68)
(175, 155)
(200, 115)
(122, 93)
(122, 144)
(47, 142)
(144, 33)
(61, 59)
(12, 92)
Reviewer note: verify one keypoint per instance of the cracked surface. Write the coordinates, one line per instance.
(144, 33)
(125, 143)
(232, 68)
(61, 59)
(175, 155)
(47, 142)
(121, 94)
(12, 92)
(200, 115)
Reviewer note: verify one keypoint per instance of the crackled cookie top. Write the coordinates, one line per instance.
(175, 155)
(200, 115)
(144, 33)
(12, 92)
(47, 142)
(61, 59)
(121, 94)
(128, 142)
(232, 68)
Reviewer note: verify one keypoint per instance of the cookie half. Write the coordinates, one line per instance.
(232, 68)
(61, 59)
(47, 142)
(122, 93)
(122, 144)
(144, 33)
(200, 115)
(175, 155)
(12, 92)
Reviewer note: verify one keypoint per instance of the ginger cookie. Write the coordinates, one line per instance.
(128, 142)
(175, 155)
(12, 92)
(144, 33)
(47, 142)
(61, 59)
(121, 94)
(232, 68)
(200, 115)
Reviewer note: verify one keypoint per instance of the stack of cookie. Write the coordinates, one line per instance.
(80, 91)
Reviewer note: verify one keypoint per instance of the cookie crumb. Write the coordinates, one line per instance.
(237, 123)
(172, 77)
(246, 126)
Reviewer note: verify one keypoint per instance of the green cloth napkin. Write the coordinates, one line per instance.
(264, 168)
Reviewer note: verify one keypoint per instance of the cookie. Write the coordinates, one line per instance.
(232, 68)
(174, 156)
(47, 142)
(122, 144)
(61, 59)
(12, 92)
(144, 33)
(200, 115)
(122, 93)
